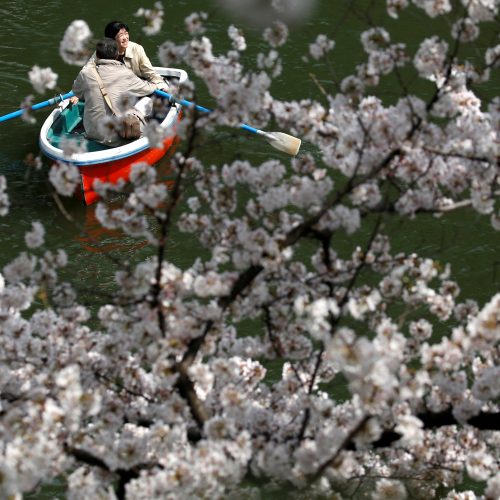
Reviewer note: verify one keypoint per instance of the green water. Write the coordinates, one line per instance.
(30, 34)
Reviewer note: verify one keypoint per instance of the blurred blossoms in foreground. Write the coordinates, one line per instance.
(153, 18)
(263, 13)
(321, 47)
(4, 197)
(36, 237)
(42, 78)
(74, 47)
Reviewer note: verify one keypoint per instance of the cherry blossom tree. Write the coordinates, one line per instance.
(340, 386)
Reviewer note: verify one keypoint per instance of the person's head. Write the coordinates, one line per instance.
(118, 31)
(106, 48)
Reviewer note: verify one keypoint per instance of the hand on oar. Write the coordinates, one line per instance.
(279, 140)
(44, 104)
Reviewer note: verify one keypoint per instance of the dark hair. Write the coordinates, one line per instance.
(106, 48)
(113, 28)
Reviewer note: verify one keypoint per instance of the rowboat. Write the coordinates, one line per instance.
(100, 161)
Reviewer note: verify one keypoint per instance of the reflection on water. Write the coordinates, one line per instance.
(98, 239)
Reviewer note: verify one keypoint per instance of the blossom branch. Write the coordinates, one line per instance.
(124, 475)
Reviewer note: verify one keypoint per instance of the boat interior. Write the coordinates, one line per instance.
(69, 124)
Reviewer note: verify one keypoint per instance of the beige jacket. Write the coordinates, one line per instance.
(136, 59)
(117, 80)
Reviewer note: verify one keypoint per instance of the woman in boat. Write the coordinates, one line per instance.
(132, 54)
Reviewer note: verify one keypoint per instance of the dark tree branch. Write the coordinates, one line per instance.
(124, 475)
(484, 421)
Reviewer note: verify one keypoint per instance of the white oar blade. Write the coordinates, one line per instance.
(284, 142)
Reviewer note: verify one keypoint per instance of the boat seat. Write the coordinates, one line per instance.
(69, 124)
(72, 117)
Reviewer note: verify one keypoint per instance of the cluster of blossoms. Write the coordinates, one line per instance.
(42, 78)
(26, 107)
(242, 97)
(276, 35)
(342, 386)
(74, 47)
(321, 47)
(4, 197)
(477, 10)
(64, 178)
(153, 18)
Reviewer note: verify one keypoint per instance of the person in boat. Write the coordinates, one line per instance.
(131, 54)
(117, 80)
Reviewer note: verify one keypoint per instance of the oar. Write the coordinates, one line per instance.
(40, 105)
(283, 142)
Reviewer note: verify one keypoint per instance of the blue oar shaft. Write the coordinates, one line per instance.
(188, 104)
(44, 104)
(182, 102)
(254, 130)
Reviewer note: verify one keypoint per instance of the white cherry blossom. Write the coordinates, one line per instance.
(42, 78)
(74, 45)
